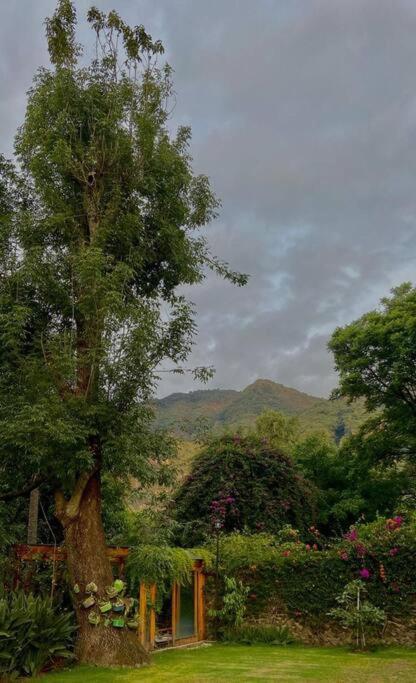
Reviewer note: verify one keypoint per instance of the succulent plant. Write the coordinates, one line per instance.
(88, 602)
(105, 606)
(94, 618)
(118, 623)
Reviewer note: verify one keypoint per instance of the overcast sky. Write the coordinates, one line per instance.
(304, 117)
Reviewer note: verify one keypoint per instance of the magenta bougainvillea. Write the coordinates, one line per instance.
(364, 573)
(306, 580)
(241, 483)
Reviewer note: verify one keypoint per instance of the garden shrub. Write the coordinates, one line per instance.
(383, 554)
(241, 483)
(234, 606)
(251, 634)
(355, 612)
(304, 579)
(33, 635)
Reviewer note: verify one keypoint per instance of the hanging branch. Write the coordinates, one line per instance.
(24, 491)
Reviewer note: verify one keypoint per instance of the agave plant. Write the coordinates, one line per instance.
(32, 634)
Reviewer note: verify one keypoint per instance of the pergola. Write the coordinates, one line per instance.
(184, 617)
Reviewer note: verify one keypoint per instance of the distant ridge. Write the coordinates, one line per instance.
(227, 408)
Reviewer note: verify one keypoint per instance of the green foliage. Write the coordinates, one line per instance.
(242, 483)
(375, 358)
(281, 431)
(252, 634)
(32, 635)
(357, 613)
(60, 33)
(305, 578)
(349, 484)
(160, 565)
(234, 600)
(97, 232)
(242, 550)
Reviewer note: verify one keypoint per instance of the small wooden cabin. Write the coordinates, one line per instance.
(181, 619)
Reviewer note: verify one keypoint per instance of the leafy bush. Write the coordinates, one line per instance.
(382, 553)
(304, 578)
(240, 550)
(233, 603)
(162, 565)
(357, 613)
(32, 635)
(255, 633)
(241, 483)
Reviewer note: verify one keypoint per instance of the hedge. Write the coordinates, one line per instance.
(305, 579)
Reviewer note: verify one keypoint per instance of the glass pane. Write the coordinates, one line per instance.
(186, 621)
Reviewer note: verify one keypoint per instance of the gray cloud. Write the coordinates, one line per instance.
(304, 116)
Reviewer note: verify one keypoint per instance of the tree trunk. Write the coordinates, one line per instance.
(32, 524)
(88, 562)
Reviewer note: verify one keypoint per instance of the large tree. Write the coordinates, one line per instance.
(98, 231)
(376, 360)
(350, 483)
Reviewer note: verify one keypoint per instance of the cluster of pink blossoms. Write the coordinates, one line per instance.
(394, 523)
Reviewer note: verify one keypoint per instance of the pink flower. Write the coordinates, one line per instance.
(315, 547)
(307, 546)
(286, 553)
(394, 523)
(343, 555)
(361, 550)
(393, 552)
(365, 573)
(351, 535)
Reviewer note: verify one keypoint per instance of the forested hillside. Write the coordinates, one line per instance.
(221, 409)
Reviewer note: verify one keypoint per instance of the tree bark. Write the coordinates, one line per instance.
(88, 561)
(32, 524)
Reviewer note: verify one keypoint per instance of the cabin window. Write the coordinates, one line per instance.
(186, 626)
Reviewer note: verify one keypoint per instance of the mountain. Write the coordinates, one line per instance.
(226, 408)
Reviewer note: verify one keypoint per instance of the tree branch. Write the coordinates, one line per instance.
(36, 481)
(66, 511)
(72, 506)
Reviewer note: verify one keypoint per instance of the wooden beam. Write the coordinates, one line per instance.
(174, 611)
(152, 617)
(28, 553)
(195, 586)
(201, 605)
(142, 634)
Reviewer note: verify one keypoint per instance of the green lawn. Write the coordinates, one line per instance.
(257, 663)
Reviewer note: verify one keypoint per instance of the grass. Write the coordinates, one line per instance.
(218, 663)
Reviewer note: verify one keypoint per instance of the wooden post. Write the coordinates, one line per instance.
(174, 611)
(196, 593)
(152, 617)
(142, 634)
(201, 605)
(32, 524)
